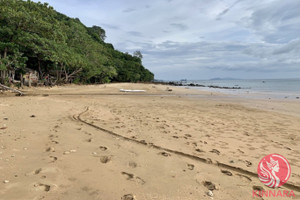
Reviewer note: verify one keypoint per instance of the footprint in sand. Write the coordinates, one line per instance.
(104, 159)
(209, 185)
(257, 188)
(228, 173)
(209, 161)
(140, 180)
(53, 158)
(199, 150)
(128, 197)
(103, 148)
(216, 151)
(128, 175)
(132, 164)
(248, 163)
(131, 177)
(240, 151)
(38, 171)
(44, 187)
(143, 142)
(50, 149)
(190, 166)
(55, 142)
(165, 154)
(89, 140)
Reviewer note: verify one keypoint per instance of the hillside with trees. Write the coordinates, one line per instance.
(33, 36)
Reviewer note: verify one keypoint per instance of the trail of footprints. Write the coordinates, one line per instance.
(104, 159)
(43, 172)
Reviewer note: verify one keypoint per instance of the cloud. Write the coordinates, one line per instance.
(277, 22)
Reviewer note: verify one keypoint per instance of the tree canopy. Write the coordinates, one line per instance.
(33, 35)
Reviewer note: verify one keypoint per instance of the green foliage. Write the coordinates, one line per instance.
(34, 35)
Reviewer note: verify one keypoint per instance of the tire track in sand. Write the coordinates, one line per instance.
(208, 161)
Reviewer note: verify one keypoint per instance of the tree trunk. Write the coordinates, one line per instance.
(5, 52)
(21, 79)
(40, 70)
(8, 88)
(29, 80)
(3, 72)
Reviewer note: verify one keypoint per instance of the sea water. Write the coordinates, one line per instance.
(256, 88)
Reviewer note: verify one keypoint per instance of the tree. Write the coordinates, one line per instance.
(97, 33)
(35, 36)
(138, 54)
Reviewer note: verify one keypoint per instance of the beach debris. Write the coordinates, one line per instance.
(6, 181)
(32, 116)
(209, 185)
(73, 150)
(104, 159)
(14, 90)
(210, 193)
(5, 118)
(128, 197)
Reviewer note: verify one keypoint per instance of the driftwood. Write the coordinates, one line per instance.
(14, 90)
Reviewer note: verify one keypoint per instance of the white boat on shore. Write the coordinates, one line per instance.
(123, 90)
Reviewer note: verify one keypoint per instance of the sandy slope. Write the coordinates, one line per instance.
(93, 142)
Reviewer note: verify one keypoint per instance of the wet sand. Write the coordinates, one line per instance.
(95, 142)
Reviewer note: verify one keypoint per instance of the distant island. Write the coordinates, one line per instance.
(41, 46)
(215, 79)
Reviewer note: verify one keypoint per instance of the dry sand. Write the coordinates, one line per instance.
(94, 142)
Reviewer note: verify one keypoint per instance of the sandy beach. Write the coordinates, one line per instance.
(95, 142)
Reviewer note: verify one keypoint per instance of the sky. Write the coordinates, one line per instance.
(200, 39)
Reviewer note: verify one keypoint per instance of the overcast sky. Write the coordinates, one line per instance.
(200, 39)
